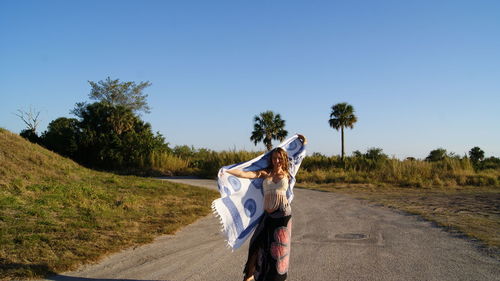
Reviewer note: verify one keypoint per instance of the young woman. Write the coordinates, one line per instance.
(269, 251)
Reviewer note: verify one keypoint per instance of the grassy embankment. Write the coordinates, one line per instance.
(56, 215)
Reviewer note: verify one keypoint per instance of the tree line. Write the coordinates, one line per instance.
(108, 133)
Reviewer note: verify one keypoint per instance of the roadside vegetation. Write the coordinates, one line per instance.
(370, 167)
(56, 215)
(374, 167)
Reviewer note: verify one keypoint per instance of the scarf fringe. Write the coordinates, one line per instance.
(216, 214)
(223, 230)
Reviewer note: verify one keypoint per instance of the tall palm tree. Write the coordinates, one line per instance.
(268, 126)
(342, 116)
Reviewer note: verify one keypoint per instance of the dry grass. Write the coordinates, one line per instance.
(473, 211)
(56, 215)
(166, 164)
(316, 168)
(447, 173)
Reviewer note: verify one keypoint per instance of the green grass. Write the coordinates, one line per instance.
(56, 215)
(473, 211)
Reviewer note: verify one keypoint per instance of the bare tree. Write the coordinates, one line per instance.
(30, 118)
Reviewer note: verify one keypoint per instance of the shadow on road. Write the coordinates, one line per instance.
(73, 278)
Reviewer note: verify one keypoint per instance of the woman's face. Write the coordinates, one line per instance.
(277, 159)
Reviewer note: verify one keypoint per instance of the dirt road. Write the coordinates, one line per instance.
(334, 237)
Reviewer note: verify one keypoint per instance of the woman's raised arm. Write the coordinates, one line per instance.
(247, 174)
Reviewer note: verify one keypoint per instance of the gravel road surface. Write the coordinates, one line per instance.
(335, 237)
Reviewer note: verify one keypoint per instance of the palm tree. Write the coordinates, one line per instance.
(342, 116)
(268, 126)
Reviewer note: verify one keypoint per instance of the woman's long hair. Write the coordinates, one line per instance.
(284, 164)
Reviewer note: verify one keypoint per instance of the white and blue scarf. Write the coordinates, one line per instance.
(242, 200)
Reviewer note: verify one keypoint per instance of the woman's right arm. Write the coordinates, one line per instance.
(247, 174)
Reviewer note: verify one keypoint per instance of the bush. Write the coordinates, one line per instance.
(30, 135)
(62, 136)
(492, 163)
(437, 155)
(481, 180)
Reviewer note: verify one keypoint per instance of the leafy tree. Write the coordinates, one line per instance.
(184, 151)
(62, 136)
(476, 155)
(372, 154)
(342, 116)
(268, 126)
(115, 93)
(375, 154)
(109, 133)
(372, 159)
(114, 137)
(357, 153)
(437, 155)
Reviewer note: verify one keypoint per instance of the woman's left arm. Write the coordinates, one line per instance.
(247, 174)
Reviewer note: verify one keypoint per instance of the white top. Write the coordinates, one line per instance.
(275, 194)
(280, 186)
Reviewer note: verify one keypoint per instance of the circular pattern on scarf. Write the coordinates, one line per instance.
(227, 191)
(250, 207)
(292, 146)
(258, 183)
(262, 162)
(235, 183)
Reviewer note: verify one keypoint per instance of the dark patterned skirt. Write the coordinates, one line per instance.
(269, 251)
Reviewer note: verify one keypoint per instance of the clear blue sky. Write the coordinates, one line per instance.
(420, 74)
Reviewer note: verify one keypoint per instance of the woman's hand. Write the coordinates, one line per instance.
(221, 172)
(302, 139)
